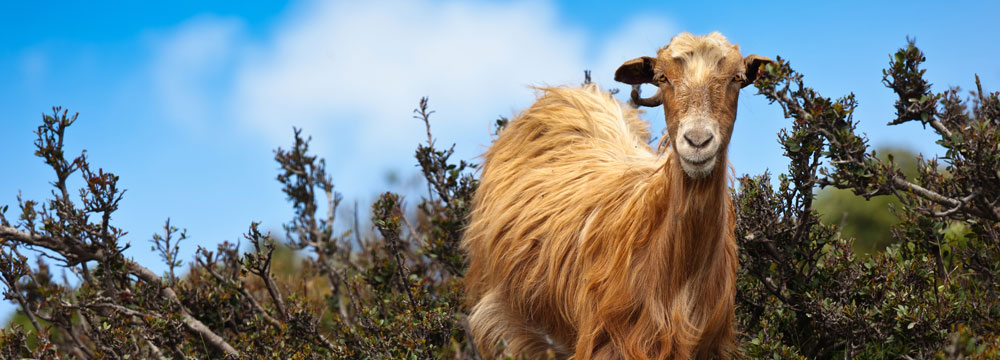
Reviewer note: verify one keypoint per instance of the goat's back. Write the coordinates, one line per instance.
(544, 180)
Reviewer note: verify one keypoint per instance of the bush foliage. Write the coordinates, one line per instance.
(321, 292)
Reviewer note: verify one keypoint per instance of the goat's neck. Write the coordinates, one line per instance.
(695, 216)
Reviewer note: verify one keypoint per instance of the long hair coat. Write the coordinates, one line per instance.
(584, 240)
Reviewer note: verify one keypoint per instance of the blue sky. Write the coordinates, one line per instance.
(186, 100)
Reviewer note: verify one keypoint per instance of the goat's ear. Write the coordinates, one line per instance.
(753, 63)
(636, 71)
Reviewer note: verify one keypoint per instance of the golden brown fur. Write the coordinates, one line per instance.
(583, 240)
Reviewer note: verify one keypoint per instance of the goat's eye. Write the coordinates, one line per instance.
(661, 79)
(738, 78)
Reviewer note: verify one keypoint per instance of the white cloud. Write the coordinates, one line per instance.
(350, 74)
(189, 63)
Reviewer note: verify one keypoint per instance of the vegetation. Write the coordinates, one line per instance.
(869, 221)
(397, 292)
(804, 293)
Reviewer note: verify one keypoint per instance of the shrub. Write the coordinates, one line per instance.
(803, 292)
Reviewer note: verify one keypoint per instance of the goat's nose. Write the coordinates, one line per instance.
(698, 137)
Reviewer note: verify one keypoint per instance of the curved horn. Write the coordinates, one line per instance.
(652, 101)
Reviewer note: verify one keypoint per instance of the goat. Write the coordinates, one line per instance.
(586, 242)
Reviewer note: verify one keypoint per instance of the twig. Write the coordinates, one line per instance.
(941, 129)
(246, 294)
(190, 322)
(260, 265)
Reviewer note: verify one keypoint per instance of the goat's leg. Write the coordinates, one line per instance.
(492, 322)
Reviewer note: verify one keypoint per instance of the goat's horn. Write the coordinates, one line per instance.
(652, 101)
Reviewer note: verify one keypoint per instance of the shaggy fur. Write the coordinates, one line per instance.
(584, 241)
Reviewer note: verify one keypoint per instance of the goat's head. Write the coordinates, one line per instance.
(699, 79)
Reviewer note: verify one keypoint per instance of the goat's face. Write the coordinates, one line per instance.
(699, 79)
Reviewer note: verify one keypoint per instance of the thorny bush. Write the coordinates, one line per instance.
(397, 292)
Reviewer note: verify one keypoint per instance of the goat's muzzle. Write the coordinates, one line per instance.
(697, 146)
